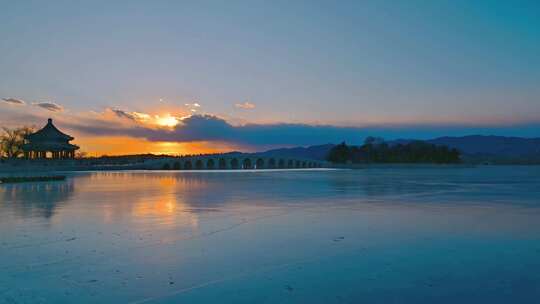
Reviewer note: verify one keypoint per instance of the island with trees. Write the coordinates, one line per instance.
(376, 150)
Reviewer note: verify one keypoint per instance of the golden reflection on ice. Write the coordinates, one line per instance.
(149, 198)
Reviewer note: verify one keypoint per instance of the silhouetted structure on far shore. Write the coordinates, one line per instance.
(49, 142)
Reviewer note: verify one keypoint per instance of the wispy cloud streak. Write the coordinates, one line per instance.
(14, 101)
(50, 106)
(245, 105)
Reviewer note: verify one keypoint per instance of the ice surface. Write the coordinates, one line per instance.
(424, 235)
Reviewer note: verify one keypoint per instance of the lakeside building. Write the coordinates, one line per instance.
(49, 142)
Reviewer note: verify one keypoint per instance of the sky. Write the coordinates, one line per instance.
(211, 76)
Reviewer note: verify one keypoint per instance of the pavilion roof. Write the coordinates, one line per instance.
(48, 133)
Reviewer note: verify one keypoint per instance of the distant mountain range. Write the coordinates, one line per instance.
(474, 148)
(314, 152)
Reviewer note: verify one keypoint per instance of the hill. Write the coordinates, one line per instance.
(474, 148)
(318, 152)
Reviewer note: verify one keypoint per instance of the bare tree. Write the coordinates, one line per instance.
(12, 140)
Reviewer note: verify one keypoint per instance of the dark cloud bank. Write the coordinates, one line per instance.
(212, 128)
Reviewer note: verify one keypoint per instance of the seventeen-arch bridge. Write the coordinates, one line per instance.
(236, 162)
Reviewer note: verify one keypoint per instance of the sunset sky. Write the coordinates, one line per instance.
(208, 76)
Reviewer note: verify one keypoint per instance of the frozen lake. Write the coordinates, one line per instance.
(402, 235)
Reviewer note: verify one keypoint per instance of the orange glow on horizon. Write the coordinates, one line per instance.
(123, 145)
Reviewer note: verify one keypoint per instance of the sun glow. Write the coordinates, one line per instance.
(166, 120)
(122, 145)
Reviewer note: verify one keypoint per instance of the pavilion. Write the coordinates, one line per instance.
(49, 141)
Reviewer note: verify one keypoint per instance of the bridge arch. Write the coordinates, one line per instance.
(246, 164)
(188, 165)
(281, 163)
(259, 164)
(176, 166)
(199, 164)
(210, 164)
(290, 163)
(272, 163)
(234, 163)
(222, 164)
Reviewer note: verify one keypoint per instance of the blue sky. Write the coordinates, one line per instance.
(419, 65)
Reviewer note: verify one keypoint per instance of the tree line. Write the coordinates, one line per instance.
(376, 150)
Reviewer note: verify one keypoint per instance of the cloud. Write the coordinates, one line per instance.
(123, 114)
(212, 128)
(246, 105)
(135, 116)
(193, 107)
(14, 101)
(141, 116)
(50, 106)
(209, 128)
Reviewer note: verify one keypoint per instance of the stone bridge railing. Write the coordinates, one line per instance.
(235, 162)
